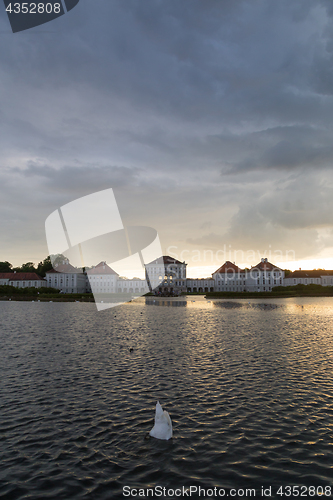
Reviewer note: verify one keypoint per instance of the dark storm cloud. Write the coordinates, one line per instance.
(80, 178)
(158, 99)
(285, 148)
(219, 64)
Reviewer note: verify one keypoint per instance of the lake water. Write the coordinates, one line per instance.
(248, 385)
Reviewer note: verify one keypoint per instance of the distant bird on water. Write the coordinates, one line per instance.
(163, 425)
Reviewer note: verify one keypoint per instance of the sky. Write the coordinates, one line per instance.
(211, 120)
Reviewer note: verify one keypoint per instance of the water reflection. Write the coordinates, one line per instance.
(249, 390)
(204, 304)
(295, 305)
(162, 302)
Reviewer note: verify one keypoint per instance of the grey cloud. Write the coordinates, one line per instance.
(80, 178)
(287, 214)
(284, 148)
(251, 229)
(156, 99)
(287, 155)
(206, 225)
(199, 57)
(215, 240)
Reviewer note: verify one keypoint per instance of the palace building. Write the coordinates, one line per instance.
(229, 278)
(22, 280)
(167, 276)
(260, 278)
(316, 277)
(66, 278)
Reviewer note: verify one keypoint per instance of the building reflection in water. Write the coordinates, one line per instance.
(173, 303)
(299, 305)
(199, 303)
(202, 303)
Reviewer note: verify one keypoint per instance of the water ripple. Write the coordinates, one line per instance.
(248, 386)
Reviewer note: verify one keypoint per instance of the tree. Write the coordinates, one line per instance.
(5, 267)
(58, 259)
(28, 267)
(287, 272)
(44, 266)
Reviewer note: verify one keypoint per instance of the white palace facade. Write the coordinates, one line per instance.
(167, 275)
(66, 278)
(228, 278)
(315, 277)
(22, 280)
(260, 278)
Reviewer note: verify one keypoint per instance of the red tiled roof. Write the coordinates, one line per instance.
(6, 276)
(229, 267)
(315, 273)
(266, 266)
(101, 268)
(21, 276)
(165, 259)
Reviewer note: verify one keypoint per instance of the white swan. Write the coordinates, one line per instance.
(163, 425)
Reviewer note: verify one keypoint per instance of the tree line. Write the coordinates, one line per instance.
(29, 267)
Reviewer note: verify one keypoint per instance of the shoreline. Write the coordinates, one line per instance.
(262, 295)
(209, 295)
(44, 299)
